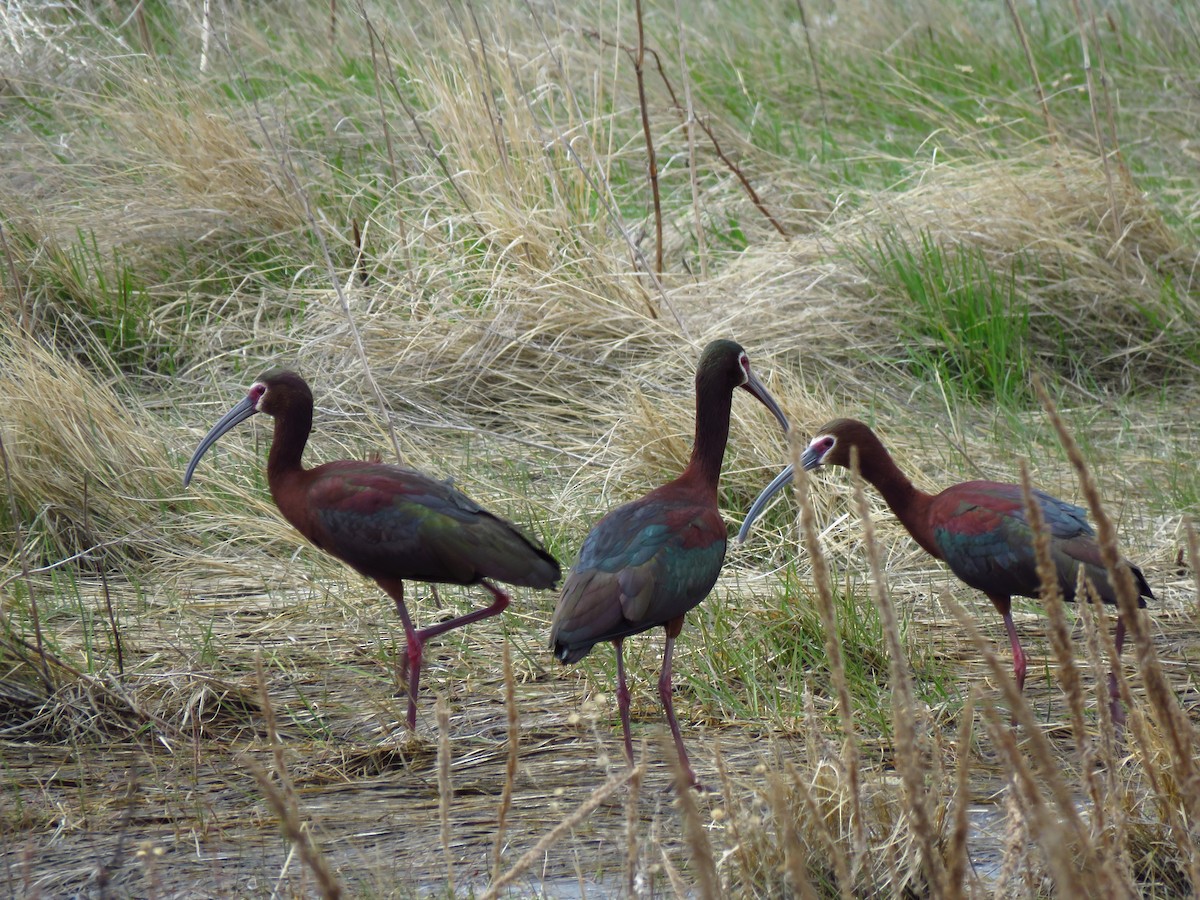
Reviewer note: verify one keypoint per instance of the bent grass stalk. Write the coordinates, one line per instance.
(511, 758)
(908, 754)
(282, 796)
(837, 669)
(445, 788)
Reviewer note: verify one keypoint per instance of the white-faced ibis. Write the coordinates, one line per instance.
(648, 562)
(978, 528)
(388, 522)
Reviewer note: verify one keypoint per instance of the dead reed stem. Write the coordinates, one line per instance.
(837, 667)
(632, 828)
(956, 849)
(445, 788)
(708, 882)
(1051, 597)
(794, 861)
(1109, 815)
(510, 766)
(1095, 626)
(551, 837)
(1051, 131)
(908, 753)
(812, 58)
(1049, 830)
(1178, 728)
(282, 796)
(1054, 837)
(1068, 671)
(1117, 228)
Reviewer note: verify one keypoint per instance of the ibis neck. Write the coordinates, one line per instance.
(713, 408)
(287, 447)
(909, 503)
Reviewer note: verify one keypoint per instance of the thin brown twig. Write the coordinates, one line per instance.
(733, 167)
(639, 71)
(143, 28)
(812, 58)
(1106, 96)
(597, 181)
(1051, 131)
(372, 41)
(1118, 229)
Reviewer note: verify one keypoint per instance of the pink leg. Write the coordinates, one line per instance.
(664, 692)
(416, 639)
(498, 606)
(623, 699)
(414, 648)
(1004, 607)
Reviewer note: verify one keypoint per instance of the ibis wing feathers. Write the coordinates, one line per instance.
(985, 538)
(643, 564)
(393, 522)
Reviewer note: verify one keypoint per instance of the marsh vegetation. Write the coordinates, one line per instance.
(493, 238)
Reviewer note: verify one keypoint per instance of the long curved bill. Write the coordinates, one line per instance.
(239, 413)
(809, 460)
(761, 501)
(755, 387)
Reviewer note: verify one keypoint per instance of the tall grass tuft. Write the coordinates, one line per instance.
(963, 325)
